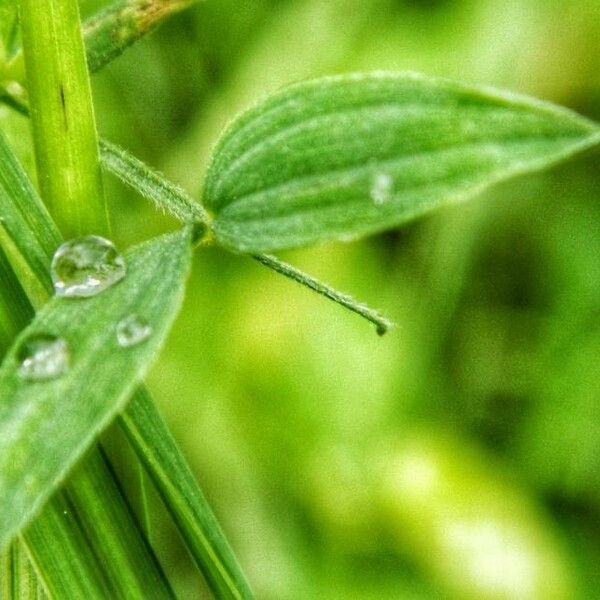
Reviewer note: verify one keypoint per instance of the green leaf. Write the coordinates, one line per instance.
(342, 157)
(46, 426)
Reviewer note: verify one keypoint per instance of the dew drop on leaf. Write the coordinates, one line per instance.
(86, 266)
(381, 188)
(132, 331)
(42, 356)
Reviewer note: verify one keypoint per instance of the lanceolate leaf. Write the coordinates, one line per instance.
(46, 426)
(346, 156)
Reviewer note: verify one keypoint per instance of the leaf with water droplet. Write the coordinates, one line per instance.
(359, 154)
(86, 266)
(42, 356)
(132, 330)
(46, 426)
(381, 188)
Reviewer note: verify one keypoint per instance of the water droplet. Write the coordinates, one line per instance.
(132, 331)
(381, 188)
(86, 266)
(43, 356)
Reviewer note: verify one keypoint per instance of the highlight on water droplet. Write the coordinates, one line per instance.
(43, 356)
(132, 330)
(381, 188)
(86, 266)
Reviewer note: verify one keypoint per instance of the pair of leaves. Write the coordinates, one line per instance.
(334, 158)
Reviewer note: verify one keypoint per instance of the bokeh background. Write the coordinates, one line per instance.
(459, 455)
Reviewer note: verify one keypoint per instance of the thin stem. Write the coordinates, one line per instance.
(151, 184)
(167, 196)
(64, 130)
(381, 323)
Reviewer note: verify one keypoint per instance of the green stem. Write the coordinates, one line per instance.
(64, 131)
(167, 196)
(151, 184)
(381, 323)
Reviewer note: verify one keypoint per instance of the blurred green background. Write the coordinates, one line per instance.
(456, 457)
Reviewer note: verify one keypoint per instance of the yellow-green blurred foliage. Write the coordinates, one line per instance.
(458, 456)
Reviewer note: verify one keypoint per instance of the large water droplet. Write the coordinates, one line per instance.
(86, 266)
(43, 356)
(132, 331)
(381, 188)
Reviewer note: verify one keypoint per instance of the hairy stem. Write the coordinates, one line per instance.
(381, 323)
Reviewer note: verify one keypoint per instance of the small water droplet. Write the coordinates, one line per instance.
(132, 331)
(43, 356)
(381, 188)
(86, 266)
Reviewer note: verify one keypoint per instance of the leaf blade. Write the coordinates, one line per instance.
(346, 156)
(30, 415)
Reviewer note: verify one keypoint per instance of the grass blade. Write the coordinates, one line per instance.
(18, 580)
(50, 530)
(114, 533)
(164, 462)
(60, 551)
(96, 506)
(84, 400)
(347, 156)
